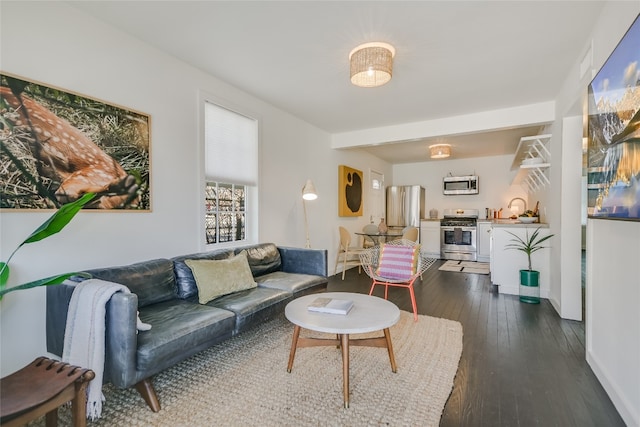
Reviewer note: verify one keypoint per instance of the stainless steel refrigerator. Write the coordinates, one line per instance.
(405, 205)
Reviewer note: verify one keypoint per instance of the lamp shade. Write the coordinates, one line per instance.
(440, 151)
(309, 191)
(371, 64)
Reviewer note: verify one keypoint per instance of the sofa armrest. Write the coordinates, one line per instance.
(58, 297)
(304, 261)
(121, 339)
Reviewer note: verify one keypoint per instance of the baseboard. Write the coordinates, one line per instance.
(624, 407)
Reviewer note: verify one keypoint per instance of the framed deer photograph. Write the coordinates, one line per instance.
(57, 145)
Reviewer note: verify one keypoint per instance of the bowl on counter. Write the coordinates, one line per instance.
(527, 219)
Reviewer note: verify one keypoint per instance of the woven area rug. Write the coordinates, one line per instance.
(465, 267)
(244, 382)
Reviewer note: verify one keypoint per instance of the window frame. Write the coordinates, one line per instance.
(251, 192)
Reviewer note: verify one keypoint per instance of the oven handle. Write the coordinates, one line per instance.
(449, 228)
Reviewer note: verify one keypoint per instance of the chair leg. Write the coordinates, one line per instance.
(373, 285)
(413, 303)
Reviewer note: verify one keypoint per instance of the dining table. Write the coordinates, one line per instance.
(379, 238)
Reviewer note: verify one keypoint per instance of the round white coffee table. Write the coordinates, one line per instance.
(369, 314)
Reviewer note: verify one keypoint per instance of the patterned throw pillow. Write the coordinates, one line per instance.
(398, 262)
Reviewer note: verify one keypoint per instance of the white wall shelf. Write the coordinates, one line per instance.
(534, 175)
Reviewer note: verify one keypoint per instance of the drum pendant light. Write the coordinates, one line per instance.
(371, 64)
(440, 151)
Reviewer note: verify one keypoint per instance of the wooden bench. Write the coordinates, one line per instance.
(40, 388)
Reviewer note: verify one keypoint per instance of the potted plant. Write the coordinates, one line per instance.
(54, 224)
(529, 279)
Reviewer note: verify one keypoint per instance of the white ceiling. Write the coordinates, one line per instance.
(452, 57)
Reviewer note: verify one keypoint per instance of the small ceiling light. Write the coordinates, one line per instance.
(371, 64)
(440, 151)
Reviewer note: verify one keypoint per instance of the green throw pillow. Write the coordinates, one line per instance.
(215, 278)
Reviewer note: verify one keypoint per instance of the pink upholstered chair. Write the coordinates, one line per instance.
(396, 263)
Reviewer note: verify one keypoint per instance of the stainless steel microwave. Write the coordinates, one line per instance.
(453, 185)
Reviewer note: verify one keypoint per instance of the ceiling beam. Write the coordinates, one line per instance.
(507, 118)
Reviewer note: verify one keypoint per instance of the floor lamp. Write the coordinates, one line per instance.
(308, 193)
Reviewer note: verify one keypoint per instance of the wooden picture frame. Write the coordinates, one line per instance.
(350, 190)
(57, 145)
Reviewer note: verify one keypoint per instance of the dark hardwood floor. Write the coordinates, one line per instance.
(521, 364)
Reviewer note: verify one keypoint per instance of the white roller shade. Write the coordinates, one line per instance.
(231, 146)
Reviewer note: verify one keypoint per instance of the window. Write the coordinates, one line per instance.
(225, 215)
(231, 171)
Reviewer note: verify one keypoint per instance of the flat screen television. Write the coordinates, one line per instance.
(613, 174)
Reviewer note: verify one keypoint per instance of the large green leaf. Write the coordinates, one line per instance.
(59, 219)
(4, 274)
(53, 280)
(54, 224)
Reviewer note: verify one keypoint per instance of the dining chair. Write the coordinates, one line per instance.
(397, 263)
(368, 230)
(347, 255)
(410, 233)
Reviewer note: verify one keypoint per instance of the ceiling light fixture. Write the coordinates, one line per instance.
(371, 64)
(440, 151)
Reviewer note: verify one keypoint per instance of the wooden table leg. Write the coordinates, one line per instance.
(392, 359)
(294, 345)
(51, 419)
(345, 368)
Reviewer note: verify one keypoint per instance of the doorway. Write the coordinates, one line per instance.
(376, 196)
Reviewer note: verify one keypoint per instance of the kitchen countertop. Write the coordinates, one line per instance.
(505, 222)
(502, 222)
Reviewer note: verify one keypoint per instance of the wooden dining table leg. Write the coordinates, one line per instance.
(345, 368)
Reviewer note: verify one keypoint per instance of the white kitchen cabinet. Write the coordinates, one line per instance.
(430, 238)
(507, 263)
(484, 241)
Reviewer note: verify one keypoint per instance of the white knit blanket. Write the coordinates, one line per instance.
(84, 337)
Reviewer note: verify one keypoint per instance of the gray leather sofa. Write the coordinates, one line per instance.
(165, 294)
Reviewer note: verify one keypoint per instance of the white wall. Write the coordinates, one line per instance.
(65, 48)
(613, 312)
(495, 177)
(613, 264)
(569, 263)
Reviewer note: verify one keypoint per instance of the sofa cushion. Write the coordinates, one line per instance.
(215, 278)
(152, 281)
(185, 282)
(180, 328)
(263, 258)
(297, 284)
(253, 306)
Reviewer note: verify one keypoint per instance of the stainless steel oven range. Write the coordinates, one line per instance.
(458, 234)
